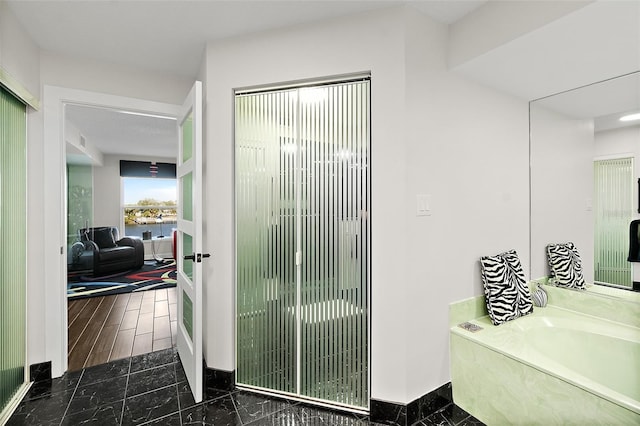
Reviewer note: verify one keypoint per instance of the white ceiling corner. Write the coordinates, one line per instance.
(170, 37)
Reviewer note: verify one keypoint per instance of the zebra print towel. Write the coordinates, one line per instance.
(565, 266)
(506, 292)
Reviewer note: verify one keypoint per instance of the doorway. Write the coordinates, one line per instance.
(119, 176)
(54, 244)
(303, 241)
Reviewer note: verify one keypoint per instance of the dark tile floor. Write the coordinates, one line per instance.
(151, 389)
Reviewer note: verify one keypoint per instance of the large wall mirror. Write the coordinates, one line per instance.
(585, 165)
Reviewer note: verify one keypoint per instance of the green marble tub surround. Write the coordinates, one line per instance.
(467, 309)
(499, 390)
(501, 376)
(609, 303)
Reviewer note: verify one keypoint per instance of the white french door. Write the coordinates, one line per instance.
(303, 241)
(189, 240)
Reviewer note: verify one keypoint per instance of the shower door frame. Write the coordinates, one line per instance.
(366, 220)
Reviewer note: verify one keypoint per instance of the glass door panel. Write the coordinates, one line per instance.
(334, 242)
(13, 251)
(266, 240)
(302, 203)
(613, 211)
(187, 194)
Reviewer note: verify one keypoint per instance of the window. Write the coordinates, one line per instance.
(150, 204)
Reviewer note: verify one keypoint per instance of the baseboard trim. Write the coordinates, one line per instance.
(219, 379)
(40, 372)
(395, 414)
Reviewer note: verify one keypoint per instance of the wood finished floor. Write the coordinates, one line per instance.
(106, 328)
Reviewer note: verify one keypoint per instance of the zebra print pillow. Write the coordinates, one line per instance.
(565, 265)
(506, 293)
(525, 302)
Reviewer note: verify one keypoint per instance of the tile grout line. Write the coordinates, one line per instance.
(126, 388)
(73, 394)
(175, 374)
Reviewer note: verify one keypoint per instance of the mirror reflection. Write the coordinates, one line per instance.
(585, 165)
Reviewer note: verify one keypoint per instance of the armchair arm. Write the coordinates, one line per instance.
(137, 244)
(129, 241)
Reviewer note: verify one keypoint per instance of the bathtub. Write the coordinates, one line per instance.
(554, 366)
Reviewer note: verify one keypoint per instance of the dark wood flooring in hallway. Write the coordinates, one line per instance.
(107, 328)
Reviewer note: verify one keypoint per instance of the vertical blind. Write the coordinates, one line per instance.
(303, 241)
(12, 246)
(613, 207)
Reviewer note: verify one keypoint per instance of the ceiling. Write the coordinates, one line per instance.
(604, 101)
(173, 38)
(172, 41)
(118, 132)
(593, 43)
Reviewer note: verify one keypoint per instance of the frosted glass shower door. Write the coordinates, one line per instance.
(303, 246)
(613, 211)
(13, 251)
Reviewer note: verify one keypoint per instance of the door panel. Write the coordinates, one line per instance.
(302, 240)
(189, 241)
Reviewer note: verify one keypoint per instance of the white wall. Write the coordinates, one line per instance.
(371, 42)
(618, 142)
(474, 167)
(84, 74)
(19, 55)
(432, 133)
(508, 20)
(65, 75)
(107, 189)
(466, 146)
(73, 137)
(562, 152)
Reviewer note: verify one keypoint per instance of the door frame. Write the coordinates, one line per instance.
(297, 396)
(54, 188)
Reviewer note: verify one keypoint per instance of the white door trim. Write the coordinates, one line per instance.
(54, 187)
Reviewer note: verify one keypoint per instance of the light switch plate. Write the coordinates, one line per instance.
(423, 205)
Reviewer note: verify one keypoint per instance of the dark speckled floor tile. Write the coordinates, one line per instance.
(103, 372)
(150, 406)
(93, 396)
(290, 416)
(470, 421)
(318, 416)
(107, 415)
(219, 412)
(47, 410)
(185, 397)
(180, 374)
(48, 387)
(450, 415)
(251, 406)
(454, 413)
(170, 420)
(151, 379)
(151, 389)
(153, 359)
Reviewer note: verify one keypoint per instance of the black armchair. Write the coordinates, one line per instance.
(110, 253)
